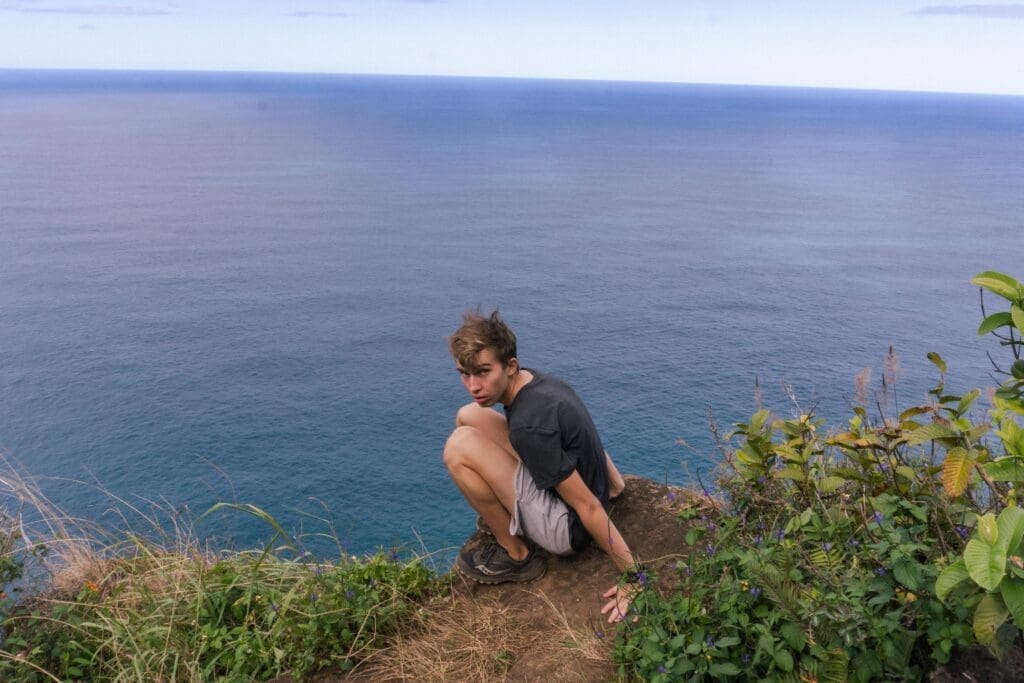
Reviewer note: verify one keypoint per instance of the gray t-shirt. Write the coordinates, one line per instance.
(552, 432)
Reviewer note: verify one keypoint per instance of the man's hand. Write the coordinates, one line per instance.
(620, 597)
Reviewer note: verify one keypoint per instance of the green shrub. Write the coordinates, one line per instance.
(846, 555)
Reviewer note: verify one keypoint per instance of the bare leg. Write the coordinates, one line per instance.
(616, 484)
(484, 470)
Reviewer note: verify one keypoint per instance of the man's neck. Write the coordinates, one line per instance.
(519, 380)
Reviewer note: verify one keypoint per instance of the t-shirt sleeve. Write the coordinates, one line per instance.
(541, 451)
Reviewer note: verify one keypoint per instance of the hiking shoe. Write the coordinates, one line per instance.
(491, 564)
(482, 526)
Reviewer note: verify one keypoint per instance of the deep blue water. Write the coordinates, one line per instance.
(238, 287)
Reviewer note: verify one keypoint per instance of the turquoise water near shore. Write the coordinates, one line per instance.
(238, 287)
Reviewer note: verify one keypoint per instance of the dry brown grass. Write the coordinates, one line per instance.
(457, 639)
(582, 642)
(471, 638)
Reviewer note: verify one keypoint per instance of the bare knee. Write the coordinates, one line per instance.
(458, 445)
(468, 414)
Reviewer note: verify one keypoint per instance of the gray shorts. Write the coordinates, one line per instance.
(540, 515)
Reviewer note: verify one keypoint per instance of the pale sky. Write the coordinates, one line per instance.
(877, 44)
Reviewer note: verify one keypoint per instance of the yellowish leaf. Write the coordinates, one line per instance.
(956, 471)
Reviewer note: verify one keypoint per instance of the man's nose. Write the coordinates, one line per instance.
(473, 384)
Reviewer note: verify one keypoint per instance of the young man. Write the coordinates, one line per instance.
(538, 474)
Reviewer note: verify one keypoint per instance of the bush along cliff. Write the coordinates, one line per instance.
(871, 553)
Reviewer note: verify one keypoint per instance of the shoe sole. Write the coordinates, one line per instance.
(473, 574)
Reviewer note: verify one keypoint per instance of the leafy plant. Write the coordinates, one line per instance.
(846, 555)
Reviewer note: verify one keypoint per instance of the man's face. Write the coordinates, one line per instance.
(488, 382)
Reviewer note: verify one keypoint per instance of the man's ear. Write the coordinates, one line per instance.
(512, 365)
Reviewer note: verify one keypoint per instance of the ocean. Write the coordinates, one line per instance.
(237, 287)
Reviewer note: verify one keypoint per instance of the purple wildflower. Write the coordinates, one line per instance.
(394, 554)
(884, 466)
(746, 659)
(826, 547)
(313, 597)
(755, 591)
(319, 571)
(599, 634)
(962, 531)
(878, 517)
(711, 526)
(275, 608)
(661, 668)
(853, 543)
(758, 540)
(671, 496)
(710, 642)
(780, 534)
(709, 549)
(350, 594)
(880, 571)
(641, 577)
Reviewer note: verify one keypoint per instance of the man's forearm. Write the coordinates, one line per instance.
(608, 538)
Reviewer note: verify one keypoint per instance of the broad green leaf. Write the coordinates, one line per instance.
(998, 283)
(784, 660)
(906, 472)
(988, 528)
(1017, 314)
(831, 484)
(1012, 591)
(1011, 529)
(789, 454)
(937, 359)
(723, 669)
(908, 573)
(1005, 469)
(748, 456)
(956, 471)
(950, 577)
(986, 563)
(758, 419)
(989, 615)
(994, 322)
(929, 432)
(794, 635)
(965, 403)
(790, 472)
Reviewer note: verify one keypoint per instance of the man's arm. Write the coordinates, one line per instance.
(596, 521)
(616, 484)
